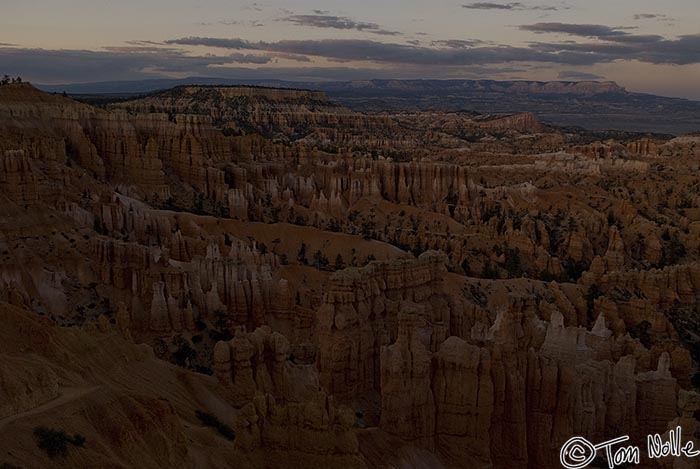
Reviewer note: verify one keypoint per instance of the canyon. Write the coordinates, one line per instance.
(238, 276)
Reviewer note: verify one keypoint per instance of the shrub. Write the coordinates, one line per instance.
(489, 272)
(594, 292)
(339, 262)
(673, 250)
(695, 382)
(78, 440)
(55, 442)
(465, 267)
(513, 264)
(212, 421)
(320, 261)
(183, 354)
(301, 255)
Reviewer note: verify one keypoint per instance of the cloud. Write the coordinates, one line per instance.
(458, 43)
(248, 59)
(446, 58)
(293, 57)
(381, 52)
(606, 33)
(584, 30)
(75, 66)
(578, 76)
(139, 49)
(618, 45)
(684, 50)
(115, 63)
(517, 6)
(212, 42)
(144, 43)
(337, 22)
(653, 16)
(252, 6)
(250, 23)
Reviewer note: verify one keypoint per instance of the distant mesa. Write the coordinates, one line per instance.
(595, 105)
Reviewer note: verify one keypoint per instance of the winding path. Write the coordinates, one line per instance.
(67, 395)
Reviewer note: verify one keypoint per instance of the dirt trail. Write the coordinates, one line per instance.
(67, 395)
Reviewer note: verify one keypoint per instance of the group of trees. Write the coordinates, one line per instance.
(7, 79)
(321, 262)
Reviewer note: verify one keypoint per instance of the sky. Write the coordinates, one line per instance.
(643, 45)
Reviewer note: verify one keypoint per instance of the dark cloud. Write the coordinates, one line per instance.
(606, 33)
(578, 76)
(213, 42)
(247, 59)
(73, 66)
(293, 57)
(147, 59)
(140, 49)
(458, 43)
(144, 43)
(653, 16)
(337, 22)
(115, 63)
(251, 23)
(390, 53)
(684, 50)
(584, 30)
(639, 38)
(616, 46)
(508, 6)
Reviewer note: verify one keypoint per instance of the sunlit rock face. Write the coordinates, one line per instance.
(337, 289)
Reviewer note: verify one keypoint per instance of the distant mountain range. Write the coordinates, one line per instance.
(588, 104)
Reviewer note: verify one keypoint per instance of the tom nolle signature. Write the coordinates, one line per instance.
(578, 452)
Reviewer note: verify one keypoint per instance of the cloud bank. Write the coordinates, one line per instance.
(516, 6)
(322, 20)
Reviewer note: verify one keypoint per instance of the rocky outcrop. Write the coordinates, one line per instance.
(316, 427)
(483, 404)
(260, 362)
(463, 392)
(525, 122)
(360, 314)
(408, 405)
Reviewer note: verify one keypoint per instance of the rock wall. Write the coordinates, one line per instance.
(360, 315)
